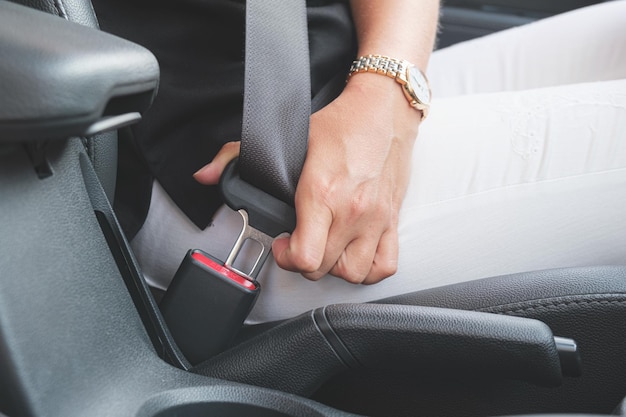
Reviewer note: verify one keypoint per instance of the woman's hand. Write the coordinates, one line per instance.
(357, 166)
(352, 184)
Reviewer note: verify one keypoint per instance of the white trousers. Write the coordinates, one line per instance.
(520, 166)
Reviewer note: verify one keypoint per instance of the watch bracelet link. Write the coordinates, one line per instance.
(399, 71)
(380, 64)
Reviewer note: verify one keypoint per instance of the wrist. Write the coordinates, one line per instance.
(382, 108)
(383, 94)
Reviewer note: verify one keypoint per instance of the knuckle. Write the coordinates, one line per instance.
(384, 269)
(383, 208)
(359, 205)
(353, 278)
(315, 276)
(373, 280)
(372, 206)
(323, 191)
(314, 190)
(380, 271)
(350, 274)
(388, 269)
(306, 262)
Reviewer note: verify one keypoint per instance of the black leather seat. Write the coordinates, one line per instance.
(81, 334)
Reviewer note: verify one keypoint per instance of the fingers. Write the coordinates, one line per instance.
(323, 241)
(360, 249)
(210, 174)
(386, 259)
(304, 250)
(356, 261)
(362, 261)
(368, 261)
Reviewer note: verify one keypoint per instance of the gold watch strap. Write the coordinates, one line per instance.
(380, 64)
(393, 68)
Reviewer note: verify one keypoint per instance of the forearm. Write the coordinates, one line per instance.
(402, 29)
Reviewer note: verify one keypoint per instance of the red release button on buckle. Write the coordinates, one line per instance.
(221, 269)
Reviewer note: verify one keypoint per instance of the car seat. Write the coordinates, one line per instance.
(81, 334)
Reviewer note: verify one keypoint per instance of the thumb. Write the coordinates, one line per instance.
(210, 174)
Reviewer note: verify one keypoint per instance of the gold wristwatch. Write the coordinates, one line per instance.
(413, 81)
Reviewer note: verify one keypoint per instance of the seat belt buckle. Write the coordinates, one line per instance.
(206, 305)
(208, 300)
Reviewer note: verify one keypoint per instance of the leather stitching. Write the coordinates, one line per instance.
(554, 305)
(87, 145)
(58, 5)
(92, 150)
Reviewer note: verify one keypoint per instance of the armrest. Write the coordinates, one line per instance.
(60, 79)
(301, 354)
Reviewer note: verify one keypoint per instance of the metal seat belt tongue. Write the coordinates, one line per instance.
(264, 216)
(249, 233)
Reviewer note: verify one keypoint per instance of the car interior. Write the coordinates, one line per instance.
(81, 333)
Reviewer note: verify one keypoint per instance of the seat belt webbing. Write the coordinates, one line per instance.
(277, 96)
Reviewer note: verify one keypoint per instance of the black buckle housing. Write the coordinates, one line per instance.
(206, 304)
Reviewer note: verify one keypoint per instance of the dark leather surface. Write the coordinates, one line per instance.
(48, 6)
(290, 357)
(102, 151)
(77, 72)
(559, 415)
(102, 148)
(78, 11)
(586, 283)
(129, 268)
(302, 353)
(414, 339)
(586, 304)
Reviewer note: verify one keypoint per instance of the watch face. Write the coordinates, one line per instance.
(419, 85)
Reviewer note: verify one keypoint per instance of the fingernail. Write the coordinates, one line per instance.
(283, 235)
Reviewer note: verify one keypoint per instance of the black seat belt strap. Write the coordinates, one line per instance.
(277, 96)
